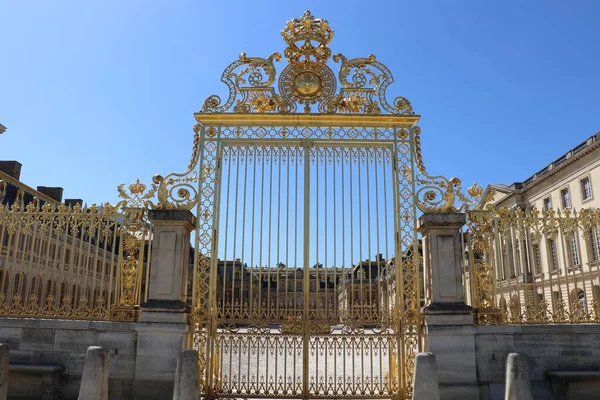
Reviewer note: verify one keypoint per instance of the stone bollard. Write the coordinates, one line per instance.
(94, 382)
(187, 383)
(3, 371)
(426, 385)
(518, 384)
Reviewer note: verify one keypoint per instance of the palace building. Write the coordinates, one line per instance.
(55, 256)
(545, 249)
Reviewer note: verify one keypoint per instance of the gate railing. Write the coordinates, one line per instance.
(532, 266)
(88, 263)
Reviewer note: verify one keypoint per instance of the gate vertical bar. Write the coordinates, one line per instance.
(211, 333)
(306, 275)
(397, 310)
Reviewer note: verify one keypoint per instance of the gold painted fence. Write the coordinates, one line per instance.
(533, 267)
(71, 262)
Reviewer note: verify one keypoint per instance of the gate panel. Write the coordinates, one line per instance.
(259, 288)
(352, 240)
(304, 278)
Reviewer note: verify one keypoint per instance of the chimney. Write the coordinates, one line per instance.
(12, 168)
(73, 202)
(54, 193)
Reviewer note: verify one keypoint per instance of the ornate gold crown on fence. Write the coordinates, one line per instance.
(307, 29)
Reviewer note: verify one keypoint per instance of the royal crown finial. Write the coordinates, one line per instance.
(137, 187)
(307, 29)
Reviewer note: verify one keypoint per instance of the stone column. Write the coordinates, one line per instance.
(94, 380)
(187, 382)
(448, 330)
(426, 384)
(518, 382)
(164, 329)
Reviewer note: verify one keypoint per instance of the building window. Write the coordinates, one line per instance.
(594, 243)
(565, 198)
(574, 250)
(586, 188)
(581, 298)
(552, 259)
(547, 204)
(510, 258)
(536, 259)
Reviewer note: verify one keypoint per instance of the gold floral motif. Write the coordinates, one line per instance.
(262, 102)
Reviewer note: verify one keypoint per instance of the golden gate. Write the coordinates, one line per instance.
(306, 187)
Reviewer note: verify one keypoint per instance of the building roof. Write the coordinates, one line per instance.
(12, 186)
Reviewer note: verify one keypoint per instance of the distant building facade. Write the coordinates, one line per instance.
(555, 268)
(37, 260)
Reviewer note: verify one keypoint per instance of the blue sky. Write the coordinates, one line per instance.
(98, 93)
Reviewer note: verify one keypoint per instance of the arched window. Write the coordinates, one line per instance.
(63, 293)
(75, 294)
(515, 308)
(94, 301)
(50, 286)
(581, 298)
(578, 302)
(19, 285)
(503, 307)
(2, 281)
(36, 289)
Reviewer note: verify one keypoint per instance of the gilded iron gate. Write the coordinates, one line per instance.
(297, 311)
(306, 270)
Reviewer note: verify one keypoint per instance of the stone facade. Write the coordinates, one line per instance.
(560, 270)
(570, 182)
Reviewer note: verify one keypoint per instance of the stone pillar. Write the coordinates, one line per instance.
(3, 371)
(518, 382)
(170, 260)
(94, 380)
(187, 382)
(164, 328)
(426, 385)
(448, 330)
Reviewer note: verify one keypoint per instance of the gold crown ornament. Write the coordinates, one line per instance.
(307, 29)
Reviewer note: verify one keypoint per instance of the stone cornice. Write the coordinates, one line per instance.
(569, 161)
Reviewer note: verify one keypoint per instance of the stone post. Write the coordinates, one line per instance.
(448, 330)
(94, 380)
(187, 382)
(164, 328)
(426, 384)
(3, 371)
(518, 383)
